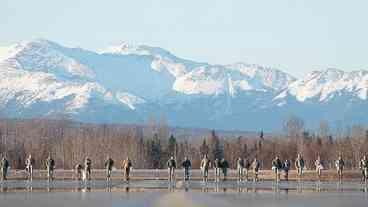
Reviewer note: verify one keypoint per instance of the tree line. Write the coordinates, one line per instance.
(150, 147)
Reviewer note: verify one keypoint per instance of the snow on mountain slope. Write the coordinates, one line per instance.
(232, 79)
(325, 85)
(43, 55)
(206, 79)
(39, 71)
(27, 88)
(268, 77)
(162, 59)
(128, 83)
(129, 99)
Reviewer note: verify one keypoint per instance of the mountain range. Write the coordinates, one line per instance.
(132, 83)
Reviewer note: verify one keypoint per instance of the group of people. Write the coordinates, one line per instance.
(84, 172)
(278, 166)
(243, 166)
(81, 172)
(220, 166)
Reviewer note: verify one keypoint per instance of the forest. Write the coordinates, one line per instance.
(150, 146)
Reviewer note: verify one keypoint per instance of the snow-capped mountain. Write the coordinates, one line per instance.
(325, 85)
(128, 83)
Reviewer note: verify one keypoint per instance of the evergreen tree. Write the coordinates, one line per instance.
(204, 149)
(215, 149)
(171, 147)
(156, 152)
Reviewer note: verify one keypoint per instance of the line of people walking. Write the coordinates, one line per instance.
(220, 167)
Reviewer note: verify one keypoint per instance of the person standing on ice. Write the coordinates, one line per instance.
(299, 165)
(363, 166)
(217, 168)
(276, 168)
(205, 165)
(256, 165)
(286, 167)
(186, 164)
(240, 169)
(340, 164)
(224, 166)
(171, 166)
(78, 171)
(109, 163)
(87, 168)
(50, 167)
(247, 166)
(319, 167)
(29, 167)
(127, 165)
(4, 165)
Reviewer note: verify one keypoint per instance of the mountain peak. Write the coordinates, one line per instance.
(327, 84)
(125, 48)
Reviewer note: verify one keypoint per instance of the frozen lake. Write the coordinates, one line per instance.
(195, 193)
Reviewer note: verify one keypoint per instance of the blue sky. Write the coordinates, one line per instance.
(295, 36)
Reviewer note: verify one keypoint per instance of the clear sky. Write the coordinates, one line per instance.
(295, 36)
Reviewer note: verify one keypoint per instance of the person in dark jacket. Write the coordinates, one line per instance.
(340, 164)
(109, 163)
(224, 167)
(186, 164)
(4, 165)
(247, 168)
(87, 168)
(50, 167)
(256, 165)
(286, 168)
(276, 167)
(78, 171)
(171, 166)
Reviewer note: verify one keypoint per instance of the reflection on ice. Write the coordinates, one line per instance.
(150, 185)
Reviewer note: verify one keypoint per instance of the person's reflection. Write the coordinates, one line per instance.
(186, 189)
(205, 189)
(29, 186)
(108, 186)
(255, 189)
(216, 187)
(339, 187)
(127, 189)
(240, 189)
(171, 187)
(300, 187)
(78, 187)
(4, 188)
(50, 186)
(276, 188)
(87, 187)
(318, 186)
